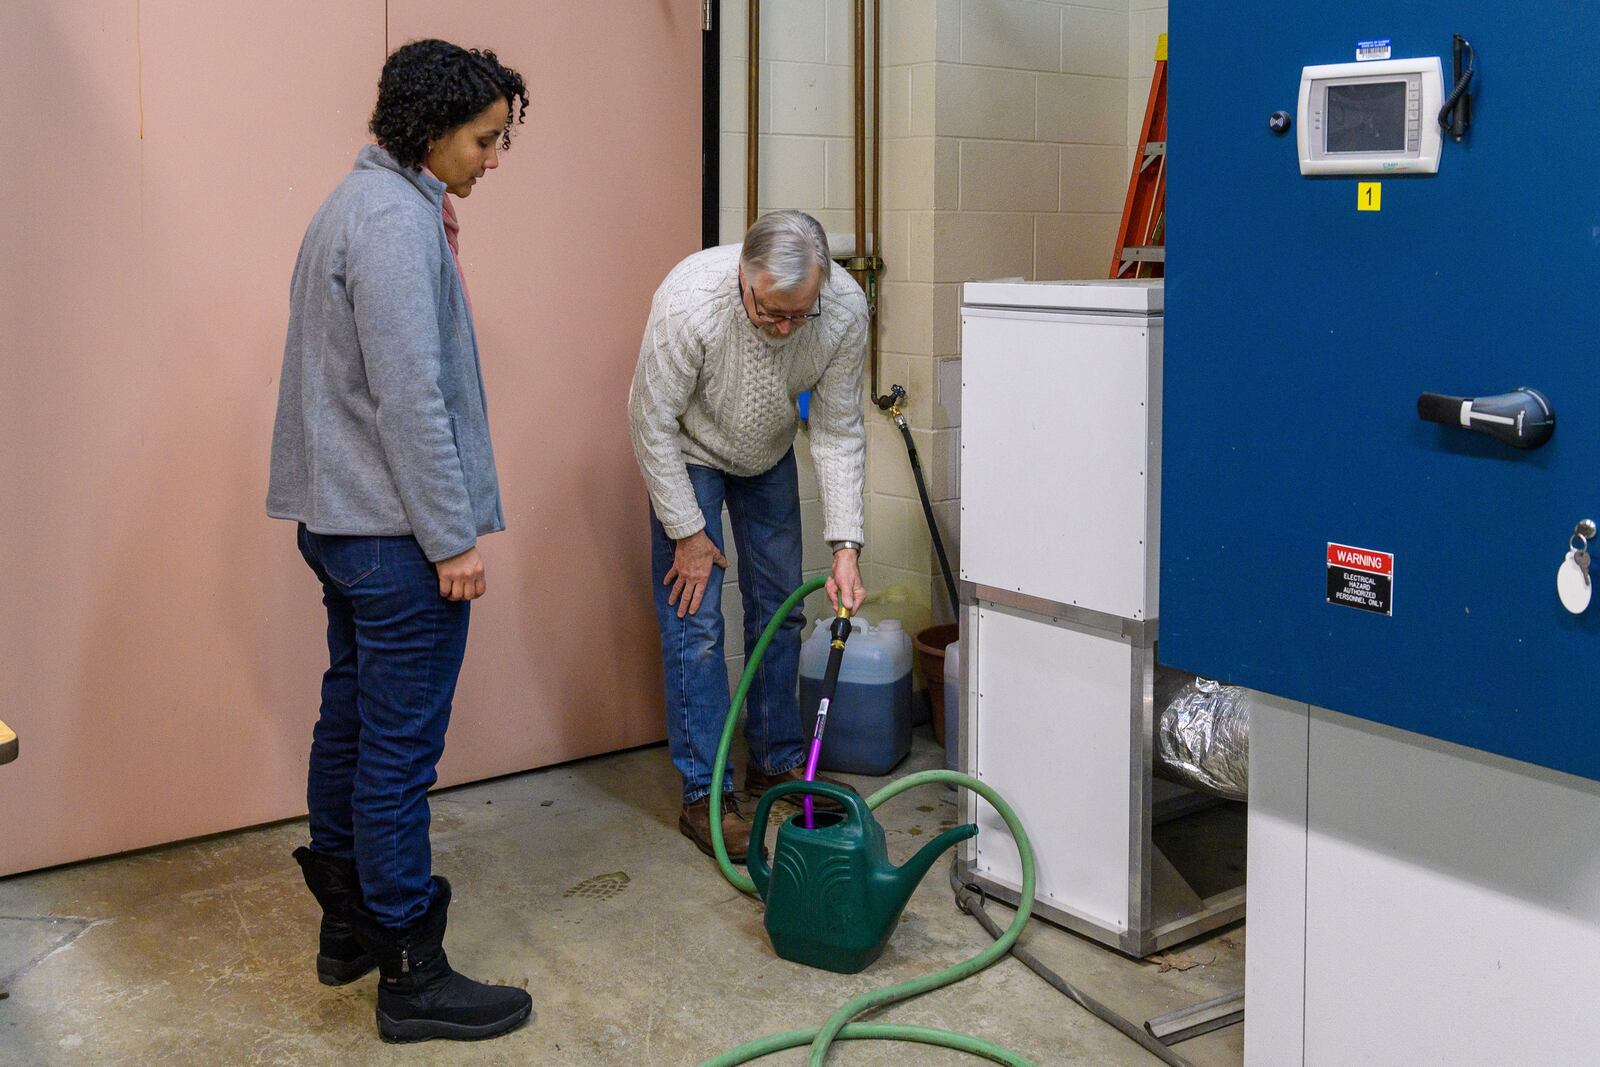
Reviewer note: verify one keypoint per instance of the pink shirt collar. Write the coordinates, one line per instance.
(452, 231)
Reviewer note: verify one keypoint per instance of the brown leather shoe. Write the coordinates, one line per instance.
(757, 781)
(695, 822)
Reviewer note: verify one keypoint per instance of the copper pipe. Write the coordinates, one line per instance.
(752, 121)
(877, 169)
(861, 140)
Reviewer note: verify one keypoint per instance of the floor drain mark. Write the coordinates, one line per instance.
(600, 887)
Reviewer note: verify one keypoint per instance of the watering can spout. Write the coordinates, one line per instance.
(903, 881)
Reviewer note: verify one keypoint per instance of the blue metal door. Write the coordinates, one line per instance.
(1300, 333)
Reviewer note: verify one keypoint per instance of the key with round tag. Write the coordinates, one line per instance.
(1573, 583)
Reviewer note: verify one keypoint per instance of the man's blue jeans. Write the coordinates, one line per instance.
(394, 649)
(765, 514)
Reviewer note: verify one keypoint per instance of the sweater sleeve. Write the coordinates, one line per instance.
(670, 358)
(838, 433)
(393, 267)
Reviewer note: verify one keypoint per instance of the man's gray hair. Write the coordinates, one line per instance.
(787, 246)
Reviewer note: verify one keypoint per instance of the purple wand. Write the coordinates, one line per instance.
(830, 681)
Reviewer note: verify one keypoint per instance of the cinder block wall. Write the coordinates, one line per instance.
(1007, 134)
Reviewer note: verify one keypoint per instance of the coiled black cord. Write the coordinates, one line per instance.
(1455, 115)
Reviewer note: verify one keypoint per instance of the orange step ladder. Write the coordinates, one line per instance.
(1141, 239)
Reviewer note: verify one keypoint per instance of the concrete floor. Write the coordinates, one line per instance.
(572, 882)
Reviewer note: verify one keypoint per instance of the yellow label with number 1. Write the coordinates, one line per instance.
(1369, 196)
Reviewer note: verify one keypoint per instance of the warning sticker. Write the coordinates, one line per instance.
(1361, 578)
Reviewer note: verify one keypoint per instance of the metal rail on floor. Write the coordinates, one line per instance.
(1203, 1018)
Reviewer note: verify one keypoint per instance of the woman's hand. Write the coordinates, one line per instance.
(461, 577)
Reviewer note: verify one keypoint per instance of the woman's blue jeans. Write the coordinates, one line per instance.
(764, 512)
(394, 650)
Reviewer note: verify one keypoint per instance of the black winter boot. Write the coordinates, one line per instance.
(334, 882)
(419, 996)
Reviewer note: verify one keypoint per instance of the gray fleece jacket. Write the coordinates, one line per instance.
(383, 426)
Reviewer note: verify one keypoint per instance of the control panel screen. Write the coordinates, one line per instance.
(1369, 117)
(1374, 117)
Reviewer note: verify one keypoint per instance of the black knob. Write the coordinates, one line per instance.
(1280, 122)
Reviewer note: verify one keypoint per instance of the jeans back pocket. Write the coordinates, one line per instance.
(347, 560)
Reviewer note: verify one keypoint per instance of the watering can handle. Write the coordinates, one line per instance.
(756, 861)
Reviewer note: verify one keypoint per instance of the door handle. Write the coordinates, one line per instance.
(1522, 418)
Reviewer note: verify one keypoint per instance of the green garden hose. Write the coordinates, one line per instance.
(839, 1025)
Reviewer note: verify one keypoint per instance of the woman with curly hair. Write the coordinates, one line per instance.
(381, 455)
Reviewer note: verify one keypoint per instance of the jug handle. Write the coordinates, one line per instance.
(756, 856)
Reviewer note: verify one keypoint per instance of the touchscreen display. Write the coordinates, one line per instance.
(1367, 117)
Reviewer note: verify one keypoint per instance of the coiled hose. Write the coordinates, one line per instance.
(839, 1026)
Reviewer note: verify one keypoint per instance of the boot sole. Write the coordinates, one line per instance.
(334, 972)
(410, 1031)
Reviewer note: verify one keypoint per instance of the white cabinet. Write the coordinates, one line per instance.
(1060, 554)
(1060, 469)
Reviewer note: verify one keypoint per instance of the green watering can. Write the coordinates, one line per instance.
(833, 898)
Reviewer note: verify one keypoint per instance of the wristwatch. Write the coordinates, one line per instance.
(838, 546)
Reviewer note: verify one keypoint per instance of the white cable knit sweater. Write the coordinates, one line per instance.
(712, 389)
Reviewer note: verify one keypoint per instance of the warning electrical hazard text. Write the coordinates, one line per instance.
(1361, 578)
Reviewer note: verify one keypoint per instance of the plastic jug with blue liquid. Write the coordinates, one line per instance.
(869, 721)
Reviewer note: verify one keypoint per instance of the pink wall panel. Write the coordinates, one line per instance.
(162, 640)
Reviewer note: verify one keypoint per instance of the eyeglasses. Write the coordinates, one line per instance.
(762, 315)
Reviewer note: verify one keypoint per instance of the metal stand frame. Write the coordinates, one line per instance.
(1164, 909)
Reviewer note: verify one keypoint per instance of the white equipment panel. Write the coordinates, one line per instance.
(1447, 899)
(1054, 736)
(1061, 388)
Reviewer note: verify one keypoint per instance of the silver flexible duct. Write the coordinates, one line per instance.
(1203, 734)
